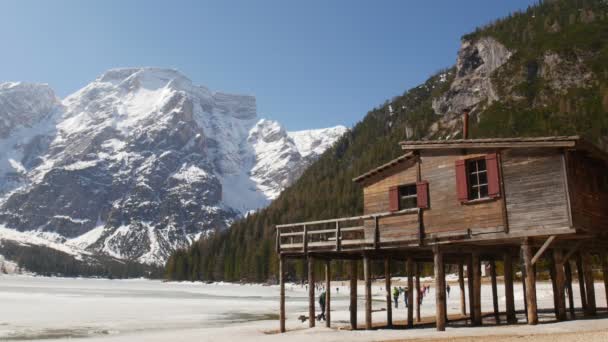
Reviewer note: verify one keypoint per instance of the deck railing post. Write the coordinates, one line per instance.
(376, 233)
(338, 237)
(305, 240)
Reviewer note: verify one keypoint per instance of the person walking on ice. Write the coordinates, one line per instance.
(396, 296)
(322, 304)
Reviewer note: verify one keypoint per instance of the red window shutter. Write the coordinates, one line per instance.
(422, 193)
(493, 175)
(393, 198)
(461, 181)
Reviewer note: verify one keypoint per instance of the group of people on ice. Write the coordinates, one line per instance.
(424, 290)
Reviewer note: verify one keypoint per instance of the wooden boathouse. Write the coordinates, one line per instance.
(461, 202)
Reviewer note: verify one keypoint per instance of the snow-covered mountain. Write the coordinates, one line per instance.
(139, 162)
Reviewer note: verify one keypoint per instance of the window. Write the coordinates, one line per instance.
(478, 179)
(407, 197)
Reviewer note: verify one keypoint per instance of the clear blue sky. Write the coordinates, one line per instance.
(309, 63)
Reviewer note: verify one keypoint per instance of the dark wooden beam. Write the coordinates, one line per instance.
(327, 293)
(605, 272)
(494, 291)
(581, 281)
(530, 280)
(282, 294)
(463, 301)
(560, 283)
(471, 296)
(387, 284)
(509, 296)
(311, 292)
(568, 274)
(439, 290)
(588, 274)
(477, 319)
(410, 292)
(368, 292)
(353, 294)
(418, 297)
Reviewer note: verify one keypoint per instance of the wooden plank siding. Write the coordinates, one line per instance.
(535, 189)
(588, 186)
(447, 213)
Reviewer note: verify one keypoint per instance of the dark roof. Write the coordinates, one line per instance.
(570, 141)
(383, 167)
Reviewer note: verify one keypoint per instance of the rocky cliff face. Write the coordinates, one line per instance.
(140, 162)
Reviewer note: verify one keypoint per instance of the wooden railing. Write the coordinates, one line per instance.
(340, 234)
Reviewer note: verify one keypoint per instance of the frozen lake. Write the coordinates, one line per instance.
(131, 310)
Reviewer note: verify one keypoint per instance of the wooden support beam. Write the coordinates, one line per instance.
(494, 291)
(588, 273)
(327, 293)
(410, 292)
(551, 263)
(387, 283)
(530, 283)
(542, 249)
(509, 296)
(439, 289)
(568, 274)
(463, 301)
(282, 294)
(353, 294)
(560, 284)
(338, 237)
(476, 297)
(581, 281)
(471, 296)
(311, 292)
(605, 273)
(368, 292)
(376, 233)
(418, 297)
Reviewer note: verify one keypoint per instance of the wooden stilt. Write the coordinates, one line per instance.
(560, 284)
(470, 283)
(439, 289)
(387, 282)
(418, 299)
(368, 292)
(605, 273)
(588, 273)
(463, 301)
(509, 297)
(568, 274)
(581, 281)
(410, 292)
(311, 292)
(327, 294)
(282, 294)
(353, 294)
(494, 291)
(530, 283)
(476, 289)
(552, 268)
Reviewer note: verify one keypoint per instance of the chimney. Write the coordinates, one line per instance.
(465, 123)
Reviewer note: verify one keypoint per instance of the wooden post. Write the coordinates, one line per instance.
(588, 273)
(530, 283)
(353, 294)
(463, 300)
(387, 281)
(605, 273)
(282, 294)
(439, 289)
(311, 292)
(410, 292)
(418, 299)
(509, 297)
(477, 319)
(581, 281)
(494, 291)
(560, 284)
(368, 292)
(327, 293)
(471, 296)
(552, 268)
(568, 273)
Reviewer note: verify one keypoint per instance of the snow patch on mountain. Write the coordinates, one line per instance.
(139, 162)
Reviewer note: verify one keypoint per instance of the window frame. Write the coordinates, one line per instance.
(408, 197)
(474, 190)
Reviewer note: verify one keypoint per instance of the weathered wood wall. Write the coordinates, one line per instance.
(588, 186)
(535, 189)
(446, 213)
